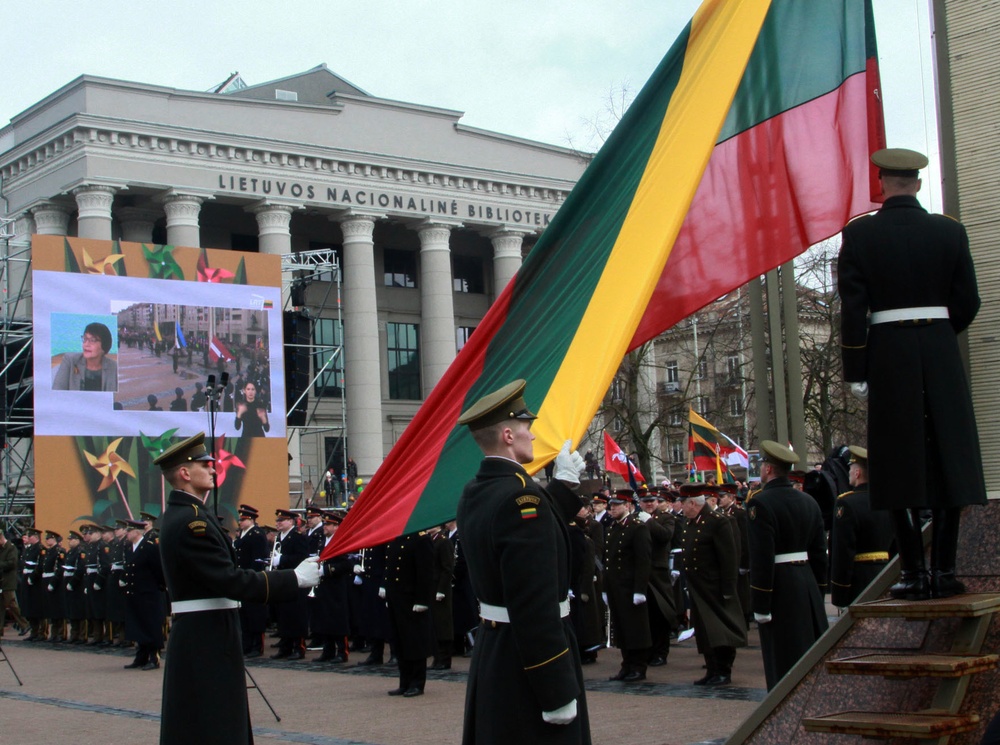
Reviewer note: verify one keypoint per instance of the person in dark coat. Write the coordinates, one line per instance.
(31, 583)
(332, 621)
(731, 508)
(179, 403)
(142, 584)
(374, 614)
(862, 537)
(204, 673)
(913, 272)
(290, 548)
(8, 585)
(585, 608)
(628, 556)
(711, 566)
(661, 604)
(525, 680)
(315, 535)
(55, 556)
(441, 610)
(408, 588)
(464, 608)
(116, 593)
(252, 552)
(788, 564)
(74, 579)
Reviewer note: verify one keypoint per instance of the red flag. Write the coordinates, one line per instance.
(616, 461)
(217, 349)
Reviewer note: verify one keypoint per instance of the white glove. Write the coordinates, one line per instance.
(570, 594)
(674, 576)
(744, 572)
(439, 596)
(121, 583)
(567, 468)
(419, 608)
(381, 593)
(308, 572)
(69, 587)
(638, 598)
(860, 390)
(358, 569)
(762, 617)
(50, 588)
(562, 715)
(358, 581)
(643, 516)
(97, 586)
(604, 597)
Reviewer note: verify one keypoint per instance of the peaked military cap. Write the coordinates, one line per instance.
(248, 511)
(499, 406)
(73, 534)
(898, 161)
(314, 511)
(120, 523)
(598, 497)
(799, 477)
(331, 518)
(135, 524)
(696, 490)
(53, 534)
(859, 454)
(285, 515)
(149, 517)
(775, 452)
(185, 451)
(621, 496)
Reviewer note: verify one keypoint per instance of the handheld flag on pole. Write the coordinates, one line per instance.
(710, 448)
(619, 225)
(179, 340)
(616, 461)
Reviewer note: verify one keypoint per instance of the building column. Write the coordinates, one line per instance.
(362, 373)
(93, 218)
(182, 219)
(51, 218)
(437, 304)
(506, 258)
(137, 223)
(17, 292)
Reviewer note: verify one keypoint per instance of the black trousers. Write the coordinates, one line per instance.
(413, 674)
(719, 661)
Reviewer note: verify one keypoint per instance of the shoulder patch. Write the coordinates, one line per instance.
(840, 511)
(198, 527)
(528, 499)
(529, 513)
(752, 512)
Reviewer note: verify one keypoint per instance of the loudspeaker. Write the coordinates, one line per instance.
(298, 338)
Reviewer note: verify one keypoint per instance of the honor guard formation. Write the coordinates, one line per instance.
(534, 580)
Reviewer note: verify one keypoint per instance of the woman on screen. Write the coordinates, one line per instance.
(250, 414)
(91, 369)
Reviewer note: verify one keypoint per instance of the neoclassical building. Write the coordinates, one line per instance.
(429, 218)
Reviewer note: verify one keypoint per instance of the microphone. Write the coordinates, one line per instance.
(211, 384)
(225, 380)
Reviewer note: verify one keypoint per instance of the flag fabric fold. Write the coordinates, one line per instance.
(179, 341)
(616, 461)
(606, 247)
(711, 449)
(218, 350)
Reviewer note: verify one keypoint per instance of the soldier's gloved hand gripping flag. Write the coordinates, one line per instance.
(773, 97)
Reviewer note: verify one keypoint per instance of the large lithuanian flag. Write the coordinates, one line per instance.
(725, 97)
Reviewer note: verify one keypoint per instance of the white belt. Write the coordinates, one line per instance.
(192, 606)
(48, 574)
(27, 571)
(908, 314)
(68, 569)
(117, 567)
(499, 614)
(91, 571)
(789, 558)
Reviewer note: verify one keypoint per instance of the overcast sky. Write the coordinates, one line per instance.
(538, 69)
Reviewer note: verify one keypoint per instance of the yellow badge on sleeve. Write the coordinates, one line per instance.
(752, 512)
(198, 527)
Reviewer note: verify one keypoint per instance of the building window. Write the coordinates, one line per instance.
(618, 389)
(467, 274)
(281, 95)
(673, 376)
(328, 336)
(702, 372)
(617, 424)
(462, 336)
(676, 418)
(735, 406)
(404, 361)
(701, 405)
(733, 367)
(400, 268)
(677, 450)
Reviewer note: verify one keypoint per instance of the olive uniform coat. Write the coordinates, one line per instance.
(919, 406)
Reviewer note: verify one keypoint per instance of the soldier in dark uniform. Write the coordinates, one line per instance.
(464, 608)
(97, 592)
(252, 552)
(862, 536)
(31, 583)
(711, 566)
(730, 505)
(585, 607)
(142, 578)
(913, 272)
(52, 570)
(290, 548)
(116, 587)
(74, 583)
(315, 539)
(662, 607)
(788, 564)
(441, 610)
(332, 621)
(409, 592)
(204, 672)
(526, 658)
(628, 555)
(9, 573)
(374, 614)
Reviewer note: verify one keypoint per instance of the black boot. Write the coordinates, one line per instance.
(944, 546)
(914, 583)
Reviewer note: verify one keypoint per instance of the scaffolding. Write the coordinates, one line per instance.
(299, 270)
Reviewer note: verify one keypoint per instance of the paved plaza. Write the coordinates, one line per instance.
(76, 694)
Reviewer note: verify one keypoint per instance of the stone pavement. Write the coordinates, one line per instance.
(76, 694)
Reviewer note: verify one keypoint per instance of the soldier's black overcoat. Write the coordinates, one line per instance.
(627, 566)
(143, 591)
(204, 686)
(783, 520)
(516, 541)
(920, 414)
(409, 581)
(858, 531)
